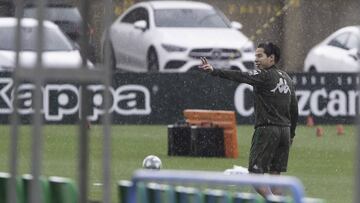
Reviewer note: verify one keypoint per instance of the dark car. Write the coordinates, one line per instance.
(67, 17)
(7, 8)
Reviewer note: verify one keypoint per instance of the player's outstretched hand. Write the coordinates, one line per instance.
(205, 65)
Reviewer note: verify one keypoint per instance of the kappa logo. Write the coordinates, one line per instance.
(254, 72)
(282, 86)
(61, 100)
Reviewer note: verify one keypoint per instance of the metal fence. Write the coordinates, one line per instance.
(39, 75)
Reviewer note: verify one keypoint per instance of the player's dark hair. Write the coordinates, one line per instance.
(271, 49)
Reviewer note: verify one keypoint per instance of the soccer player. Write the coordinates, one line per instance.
(276, 112)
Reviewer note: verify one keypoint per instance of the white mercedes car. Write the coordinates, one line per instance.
(171, 36)
(340, 52)
(58, 50)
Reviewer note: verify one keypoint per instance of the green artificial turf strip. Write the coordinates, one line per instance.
(324, 164)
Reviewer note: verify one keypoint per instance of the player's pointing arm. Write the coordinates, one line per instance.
(253, 78)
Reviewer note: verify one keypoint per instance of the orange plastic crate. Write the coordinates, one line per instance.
(223, 119)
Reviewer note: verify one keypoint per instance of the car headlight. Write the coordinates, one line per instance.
(173, 48)
(6, 68)
(249, 47)
(236, 54)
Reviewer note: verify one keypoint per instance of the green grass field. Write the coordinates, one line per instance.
(325, 165)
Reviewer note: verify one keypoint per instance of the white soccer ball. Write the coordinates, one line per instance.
(152, 162)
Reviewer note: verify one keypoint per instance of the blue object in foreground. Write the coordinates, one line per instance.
(215, 178)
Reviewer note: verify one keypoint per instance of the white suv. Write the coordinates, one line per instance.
(171, 36)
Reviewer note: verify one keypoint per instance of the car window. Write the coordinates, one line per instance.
(71, 14)
(353, 42)
(189, 18)
(340, 41)
(136, 15)
(54, 39)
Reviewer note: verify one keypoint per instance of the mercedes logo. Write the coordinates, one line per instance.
(216, 54)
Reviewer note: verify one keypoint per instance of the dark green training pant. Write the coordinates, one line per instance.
(269, 149)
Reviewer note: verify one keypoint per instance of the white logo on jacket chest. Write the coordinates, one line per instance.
(282, 87)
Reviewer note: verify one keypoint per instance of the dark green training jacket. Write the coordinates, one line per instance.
(275, 99)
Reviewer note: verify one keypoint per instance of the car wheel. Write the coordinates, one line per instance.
(152, 61)
(112, 59)
(312, 69)
(235, 68)
(112, 62)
